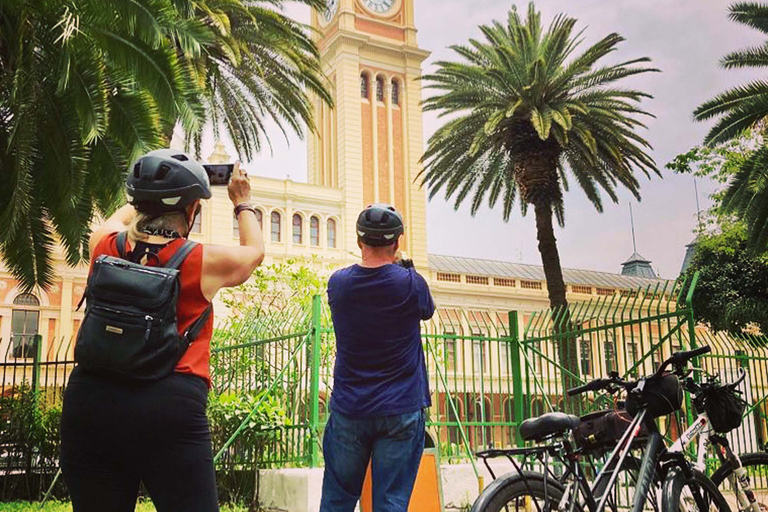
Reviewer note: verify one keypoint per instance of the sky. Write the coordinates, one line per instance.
(684, 38)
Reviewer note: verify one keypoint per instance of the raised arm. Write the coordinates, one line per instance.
(119, 221)
(230, 266)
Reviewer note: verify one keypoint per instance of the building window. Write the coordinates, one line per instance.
(632, 358)
(605, 292)
(276, 227)
(25, 318)
(331, 228)
(478, 355)
(576, 288)
(531, 285)
(504, 358)
(503, 281)
(379, 89)
(298, 229)
(197, 224)
(609, 346)
(314, 231)
(586, 357)
(364, 86)
(395, 93)
(449, 346)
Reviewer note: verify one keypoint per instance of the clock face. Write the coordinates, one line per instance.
(379, 6)
(330, 9)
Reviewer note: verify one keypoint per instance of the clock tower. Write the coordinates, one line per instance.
(369, 144)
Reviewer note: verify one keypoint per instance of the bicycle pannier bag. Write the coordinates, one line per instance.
(129, 330)
(725, 409)
(661, 396)
(601, 431)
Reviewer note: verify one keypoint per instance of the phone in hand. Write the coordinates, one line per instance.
(219, 174)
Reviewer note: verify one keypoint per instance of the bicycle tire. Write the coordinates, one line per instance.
(702, 494)
(511, 488)
(748, 460)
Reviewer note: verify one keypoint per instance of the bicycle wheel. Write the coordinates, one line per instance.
(531, 492)
(756, 465)
(698, 494)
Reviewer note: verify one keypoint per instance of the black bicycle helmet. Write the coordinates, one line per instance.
(379, 224)
(166, 180)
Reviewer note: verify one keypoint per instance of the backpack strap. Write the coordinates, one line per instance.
(175, 262)
(181, 254)
(121, 238)
(198, 324)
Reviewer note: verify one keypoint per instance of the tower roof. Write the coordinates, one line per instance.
(638, 266)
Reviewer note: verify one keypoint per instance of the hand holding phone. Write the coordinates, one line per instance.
(219, 174)
(239, 187)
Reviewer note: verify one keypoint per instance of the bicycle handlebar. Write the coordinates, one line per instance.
(677, 359)
(594, 385)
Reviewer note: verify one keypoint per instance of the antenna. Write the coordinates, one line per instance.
(632, 221)
(698, 208)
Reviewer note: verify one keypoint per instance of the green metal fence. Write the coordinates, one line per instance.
(272, 373)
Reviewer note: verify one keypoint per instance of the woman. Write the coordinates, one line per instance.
(117, 434)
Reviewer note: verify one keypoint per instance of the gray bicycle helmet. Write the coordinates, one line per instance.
(379, 224)
(166, 180)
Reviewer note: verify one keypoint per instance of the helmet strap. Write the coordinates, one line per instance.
(194, 217)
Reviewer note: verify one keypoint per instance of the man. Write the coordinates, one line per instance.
(380, 379)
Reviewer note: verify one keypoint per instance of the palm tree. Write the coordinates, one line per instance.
(737, 111)
(524, 109)
(87, 85)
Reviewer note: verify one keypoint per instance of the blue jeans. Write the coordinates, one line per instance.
(393, 444)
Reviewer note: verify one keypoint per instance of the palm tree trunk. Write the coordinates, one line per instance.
(563, 331)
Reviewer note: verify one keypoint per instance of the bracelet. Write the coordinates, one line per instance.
(242, 207)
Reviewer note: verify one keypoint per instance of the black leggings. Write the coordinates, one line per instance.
(115, 435)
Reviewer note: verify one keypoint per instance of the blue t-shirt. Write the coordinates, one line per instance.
(380, 368)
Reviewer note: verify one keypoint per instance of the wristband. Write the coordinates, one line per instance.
(242, 207)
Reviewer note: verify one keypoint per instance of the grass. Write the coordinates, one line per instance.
(63, 506)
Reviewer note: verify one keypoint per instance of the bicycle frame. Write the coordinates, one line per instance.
(738, 480)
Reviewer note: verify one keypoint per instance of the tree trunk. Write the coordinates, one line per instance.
(566, 342)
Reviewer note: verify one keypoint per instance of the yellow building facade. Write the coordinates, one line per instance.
(366, 149)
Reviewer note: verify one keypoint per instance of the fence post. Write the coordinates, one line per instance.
(692, 343)
(314, 420)
(36, 363)
(517, 374)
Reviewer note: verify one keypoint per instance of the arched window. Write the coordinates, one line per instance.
(454, 434)
(379, 88)
(314, 231)
(482, 414)
(395, 92)
(275, 227)
(298, 228)
(509, 418)
(26, 299)
(331, 229)
(236, 225)
(364, 86)
(25, 319)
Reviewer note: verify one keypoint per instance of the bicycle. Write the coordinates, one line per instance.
(710, 428)
(647, 398)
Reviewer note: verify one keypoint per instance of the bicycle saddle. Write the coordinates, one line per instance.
(547, 425)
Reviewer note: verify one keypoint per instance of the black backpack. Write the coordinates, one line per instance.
(129, 330)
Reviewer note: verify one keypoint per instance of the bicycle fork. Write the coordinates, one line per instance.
(738, 479)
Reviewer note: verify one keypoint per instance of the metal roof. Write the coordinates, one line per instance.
(494, 268)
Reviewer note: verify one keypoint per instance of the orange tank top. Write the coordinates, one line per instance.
(191, 304)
